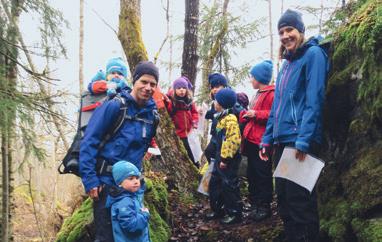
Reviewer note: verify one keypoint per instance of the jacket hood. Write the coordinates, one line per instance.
(313, 41)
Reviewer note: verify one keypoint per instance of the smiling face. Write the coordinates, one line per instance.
(131, 184)
(143, 88)
(290, 38)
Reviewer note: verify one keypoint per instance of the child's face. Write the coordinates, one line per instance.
(181, 92)
(255, 83)
(218, 107)
(131, 184)
(214, 90)
(114, 74)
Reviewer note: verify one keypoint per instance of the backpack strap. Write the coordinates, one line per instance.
(118, 123)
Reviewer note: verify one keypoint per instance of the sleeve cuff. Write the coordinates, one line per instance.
(303, 146)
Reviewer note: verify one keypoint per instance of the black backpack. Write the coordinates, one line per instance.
(70, 163)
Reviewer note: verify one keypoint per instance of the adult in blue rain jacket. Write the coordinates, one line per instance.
(295, 120)
(129, 143)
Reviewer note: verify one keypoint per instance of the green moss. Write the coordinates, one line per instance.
(73, 228)
(156, 199)
(370, 230)
(358, 51)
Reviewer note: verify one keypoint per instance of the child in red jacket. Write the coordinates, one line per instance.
(183, 112)
(259, 172)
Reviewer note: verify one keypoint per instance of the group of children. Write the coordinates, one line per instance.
(235, 131)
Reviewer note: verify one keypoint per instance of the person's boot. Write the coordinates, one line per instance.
(214, 215)
(263, 212)
(231, 219)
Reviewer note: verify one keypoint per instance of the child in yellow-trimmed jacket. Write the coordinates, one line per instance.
(224, 190)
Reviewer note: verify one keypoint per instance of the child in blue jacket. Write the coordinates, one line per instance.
(129, 219)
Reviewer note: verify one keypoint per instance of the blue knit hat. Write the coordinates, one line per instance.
(145, 67)
(291, 18)
(226, 97)
(122, 170)
(116, 65)
(181, 82)
(99, 76)
(262, 72)
(217, 79)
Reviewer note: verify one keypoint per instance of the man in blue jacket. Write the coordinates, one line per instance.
(130, 142)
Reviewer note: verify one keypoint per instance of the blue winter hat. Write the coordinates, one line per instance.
(291, 18)
(122, 170)
(217, 79)
(116, 65)
(145, 67)
(226, 97)
(99, 76)
(262, 72)
(181, 82)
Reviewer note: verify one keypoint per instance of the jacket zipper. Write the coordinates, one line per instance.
(282, 80)
(294, 115)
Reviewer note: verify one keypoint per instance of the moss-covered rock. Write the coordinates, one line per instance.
(350, 190)
(79, 227)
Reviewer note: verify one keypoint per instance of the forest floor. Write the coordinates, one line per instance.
(189, 224)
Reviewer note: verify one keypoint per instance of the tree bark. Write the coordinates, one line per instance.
(190, 44)
(175, 163)
(130, 33)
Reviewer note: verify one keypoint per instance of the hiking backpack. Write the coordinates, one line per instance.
(88, 103)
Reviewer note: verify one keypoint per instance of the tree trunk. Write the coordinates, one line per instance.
(175, 163)
(81, 54)
(5, 185)
(190, 44)
(130, 33)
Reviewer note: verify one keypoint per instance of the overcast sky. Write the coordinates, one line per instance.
(101, 43)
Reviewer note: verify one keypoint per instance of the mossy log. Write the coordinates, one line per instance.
(350, 189)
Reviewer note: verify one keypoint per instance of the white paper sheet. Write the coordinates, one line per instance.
(304, 173)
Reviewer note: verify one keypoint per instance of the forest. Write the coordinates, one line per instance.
(45, 69)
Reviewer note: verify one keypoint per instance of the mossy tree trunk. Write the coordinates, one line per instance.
(130, 32)
(175, 162)
(8, 118)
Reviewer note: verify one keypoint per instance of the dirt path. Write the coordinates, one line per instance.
(189, 224)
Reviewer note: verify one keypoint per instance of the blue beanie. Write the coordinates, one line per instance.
(226, 97)
(181, 82)
(116, 64)
(217, 79)
(145, 67)
(122, 170)
(262, 72)
(99, 76)
(293, 19)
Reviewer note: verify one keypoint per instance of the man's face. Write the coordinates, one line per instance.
(143, 88)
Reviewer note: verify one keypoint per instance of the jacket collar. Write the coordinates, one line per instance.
(268, 88)
(150, 105)
(313, 41)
